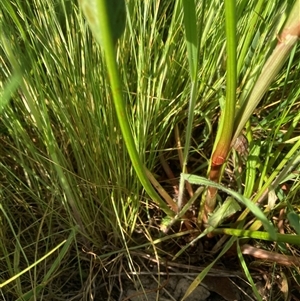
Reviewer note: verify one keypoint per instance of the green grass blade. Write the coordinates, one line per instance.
(286, 238)
(32, 265)
(251, 171)
(116, 88)
(191, 38)
(248, 203)
(202, 275)
(55, 265)
(9, 90)
(247, 273)
(222, 142)
(251, 31)
(287, 41)
(290, 160)
(227, 209)
(114, 17)
(294, 220)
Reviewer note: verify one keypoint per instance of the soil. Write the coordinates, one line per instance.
(169, 281)
(174, 288)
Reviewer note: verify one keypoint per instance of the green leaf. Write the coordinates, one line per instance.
(190, 25)
(285, 238)
(248, 203)
(116, 14)
(191, 37)
(228, 208)
(247, 272)
(9, 90)
(202, 275)
(294, 220)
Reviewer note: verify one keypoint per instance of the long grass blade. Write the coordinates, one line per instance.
(97, 15)
(191, 37)
(287, 41)
(248, 203)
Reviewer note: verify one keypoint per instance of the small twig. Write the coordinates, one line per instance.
(271, 256)
(219, 244)
(161, 191)
(171, 264)
(281, 221)
(169, 173)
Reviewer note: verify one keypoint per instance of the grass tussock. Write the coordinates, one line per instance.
(68, 189)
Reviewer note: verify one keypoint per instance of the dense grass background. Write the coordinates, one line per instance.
(65, 172)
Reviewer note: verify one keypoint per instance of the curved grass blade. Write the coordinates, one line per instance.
(248, 203)
(116, 16)
(67, 243)
(101, 26)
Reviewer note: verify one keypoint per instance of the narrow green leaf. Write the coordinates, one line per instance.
(101, 22)
(247, 273)
(290, 35)
(228, 208)
(32, 265)
(191, 37)
(167, 222)
(248, 203)
(53, 268)
(190, 25)
(9, 89)
(294, 220)
(286, 238)
(202, 275)
(251, 166)
(115, 13)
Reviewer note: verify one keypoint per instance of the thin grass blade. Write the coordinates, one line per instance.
(248, 203)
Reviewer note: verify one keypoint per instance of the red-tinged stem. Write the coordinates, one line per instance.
(225, 130)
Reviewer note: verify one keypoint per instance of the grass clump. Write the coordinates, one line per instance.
(73, 209)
